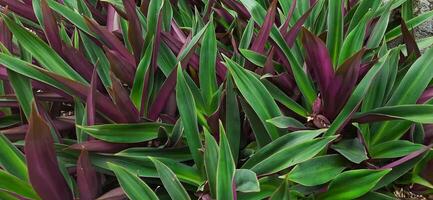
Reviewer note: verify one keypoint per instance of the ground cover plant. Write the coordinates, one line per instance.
(230, 99)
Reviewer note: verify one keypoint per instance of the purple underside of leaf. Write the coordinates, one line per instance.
(90, 100)
(124, 70)
(114, 194)
(290, 37)
(110, 40)
(97, 15)
(343, 82)
(317, 60)
(134, 28)
(112, 22)
(78, 61)
(407, 158)
(50, 27)
(426, 95)
(286, 23)
(263, 35)
(44, 172)
(25, 10)
(19, 132)
(224, 14)
(102, 146)
(87, 180)
(268, 68)
(409, 40)
(122, 100)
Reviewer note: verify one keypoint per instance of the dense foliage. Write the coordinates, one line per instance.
(206, 99)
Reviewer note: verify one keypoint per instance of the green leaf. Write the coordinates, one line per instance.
(12, 160)
(353, 184)
(414, 22)
(125, 133)
(376, 196)
(134, 187)
(138, 84)
(334, 38)
(259, 130)
(256, 95)
(394, 149)
(318, 170)
(411, 86)
(353, 42)
(225, 170)
(178, 154)
(286, 141)
(285, 122)
(188, 114)
(170, 181)
(412, 112)
(211, 161)
(207, 72)
(13, 184)
(282, 192)
(291, 155)
(233, 118)
(378, 33)
(352, 149)
(281, 97)
(246, 181)
(71, 15)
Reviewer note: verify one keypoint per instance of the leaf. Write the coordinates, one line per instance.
(211, 156)
(394, 149)
(246, 181)
(379, 29)
(414, 22)
(352, 149)
(286, 141)
(17, 186)
(207, 72)
(232, 118)
(256, 95)
(42, 52)
(282, 192)
(133, 186)
(285, 122)
(179, 154)
(71, 15)
(411, 112)
(125, 133)
(318, 170)
(408, 91)
(353, 42)
(225, 170)
(170, 181)
(87, 179)
(44, 173)
(291, 155)
(12, 160)
(353, 184)
(137, 92)
(188, 114)
(334, 38)
(259, 42)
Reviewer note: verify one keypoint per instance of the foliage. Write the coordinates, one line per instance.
(159, 99)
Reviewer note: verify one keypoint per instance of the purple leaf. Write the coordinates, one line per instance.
(317, 59)
(409, 40)
(50, 27)
(78, 61)
(285, 26)
(87, 179)
(25, 10)
(120, 67)
(290, 37)
(263, 35)
(122, 101)
(134, 28)
(90, 100)
(44, 172)
(114, 194)
(407, 158)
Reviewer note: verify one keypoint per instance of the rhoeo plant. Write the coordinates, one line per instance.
(230, 99)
